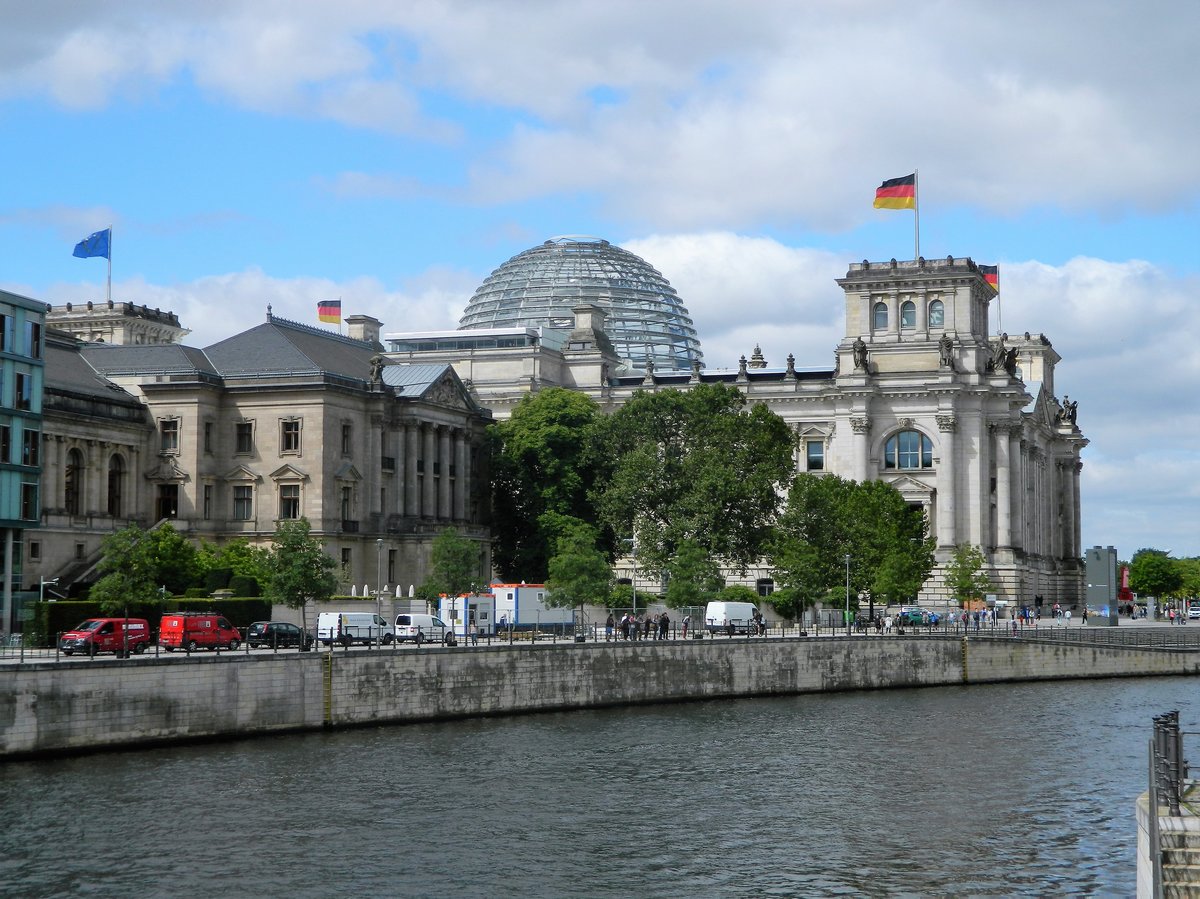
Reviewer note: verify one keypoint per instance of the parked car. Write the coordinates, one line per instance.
(116, 635)
(353, 627)
(914, 617)
(421, 628)
(197, 630)
(278, 634)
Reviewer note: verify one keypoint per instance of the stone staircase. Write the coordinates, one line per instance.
(1179, 842)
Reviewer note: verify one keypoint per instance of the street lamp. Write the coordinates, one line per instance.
(847, 594)
(633, 581)
(43, 584)
(379, 586)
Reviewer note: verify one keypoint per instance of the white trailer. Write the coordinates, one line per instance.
(524, 605)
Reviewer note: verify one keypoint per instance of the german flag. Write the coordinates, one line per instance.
(897, 193)
(991, 274)
(330, 311)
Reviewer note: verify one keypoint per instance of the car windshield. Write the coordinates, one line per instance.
(90, 625)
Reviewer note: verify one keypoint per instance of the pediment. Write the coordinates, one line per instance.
(348, 473)
(288, 473)
(910, 486)
(168, 470)
(449, 391)
(241, 473)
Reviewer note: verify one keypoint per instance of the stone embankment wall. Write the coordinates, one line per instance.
(51, 708)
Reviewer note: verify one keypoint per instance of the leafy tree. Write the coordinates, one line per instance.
(1189, 572)
(455, 561)
(828, 518)
(738, 593)
(541, 463)
(174, 558)
(692, 465)
(300, 568)
(694, 577)
(1152, 572)
(129, 572)
(620, 597)
(964, 573)
(241, 557)
(579, 570)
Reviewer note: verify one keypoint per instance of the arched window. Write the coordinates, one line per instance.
(908, 450)
(908, 315)
(937, 314)
(116, 485)
(73, 482)
(880, 317)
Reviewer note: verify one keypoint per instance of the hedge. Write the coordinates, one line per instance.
(52, 618)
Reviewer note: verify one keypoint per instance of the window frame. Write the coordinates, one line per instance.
(908, 316)
(879, 317)
(243, 437)
(243, 502)
(168, 436)
(290, 430)
(899, 453)
(287, 500)
(940, 308)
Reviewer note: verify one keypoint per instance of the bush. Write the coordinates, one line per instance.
(217, 579)
(196, 592)
(244, 585)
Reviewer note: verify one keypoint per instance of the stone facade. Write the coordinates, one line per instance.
(281, 421)
(964, 424)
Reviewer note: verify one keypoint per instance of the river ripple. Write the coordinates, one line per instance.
(1003, 790)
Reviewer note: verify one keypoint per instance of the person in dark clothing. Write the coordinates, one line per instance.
(663, 624)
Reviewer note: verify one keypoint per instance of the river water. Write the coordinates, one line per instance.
(1002, 790)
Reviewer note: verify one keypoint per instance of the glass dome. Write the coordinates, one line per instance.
(540, 287)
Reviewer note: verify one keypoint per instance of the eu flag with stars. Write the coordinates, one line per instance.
(94, 245)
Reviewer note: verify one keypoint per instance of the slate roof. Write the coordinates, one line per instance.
(144, 358)
(413, 379)
(279, 346)
(66, 371)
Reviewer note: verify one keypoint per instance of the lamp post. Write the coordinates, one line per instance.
(43, 584)
(379, 585)
(847, 594)
(633, 580)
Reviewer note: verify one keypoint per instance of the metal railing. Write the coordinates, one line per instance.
(1168, 771)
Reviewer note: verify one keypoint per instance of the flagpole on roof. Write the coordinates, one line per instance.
(108, 297)
(916, 215)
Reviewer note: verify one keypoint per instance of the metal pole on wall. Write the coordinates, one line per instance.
(847, 594)
(379, 586)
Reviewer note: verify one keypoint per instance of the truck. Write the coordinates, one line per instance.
(353, 627)
(119, 636)
(197, 630)
(730, 617)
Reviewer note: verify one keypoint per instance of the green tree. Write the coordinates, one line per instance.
(455, 564)
(128, 571)
(541, 463)
(828, 518)
(579, 570)
(965, 576)
(692, 465)
(693, 577)
(1189, 572)
(174, 558)
(1152, 572)
(300, 568)
(238, 555)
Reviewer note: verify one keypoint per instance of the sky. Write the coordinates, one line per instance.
(392, 155)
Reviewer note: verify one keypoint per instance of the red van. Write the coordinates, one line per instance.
(115, 635)
(197, 630)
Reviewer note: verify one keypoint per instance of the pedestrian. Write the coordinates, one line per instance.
(1067, 616)
(625, 626)
(474, 634)
(664, 624)
(647, 625)
(1085, 611)
(608, 628)
(687, 622)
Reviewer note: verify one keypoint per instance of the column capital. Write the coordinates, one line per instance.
(861, 424)
(947, 423)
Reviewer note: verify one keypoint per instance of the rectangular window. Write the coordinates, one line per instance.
(23, 394)
(30, 443)
(347, 504)
(208, 435)
(243, 503)
(5, 444)
(289, 501)
(814, 455)
(391, 574)
(289, 436)
(168, 429)
(6, 324)
(80, 550)
(29, 502)
(167, 501)
(347, 438)
(244, 437)
(208, 495)
(33, 339)
(35, 550)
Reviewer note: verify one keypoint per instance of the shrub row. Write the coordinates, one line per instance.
(52, 618)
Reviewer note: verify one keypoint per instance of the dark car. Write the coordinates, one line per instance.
(278, 634)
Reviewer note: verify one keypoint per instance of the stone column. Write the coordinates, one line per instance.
(429, 488)
(1001, 434)
(373, 476)
(89, 503)
(861, 425)
(412, 499)
(947, 523)
(51, 472)
(400, 437)
(1076, 536)
(460, 475)
(444, 509)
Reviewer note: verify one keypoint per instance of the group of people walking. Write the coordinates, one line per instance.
(639, 627)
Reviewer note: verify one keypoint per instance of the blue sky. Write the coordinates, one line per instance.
(255, 153)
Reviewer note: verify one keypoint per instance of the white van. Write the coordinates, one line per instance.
(353, 627)
(718, 616)
(421, 628)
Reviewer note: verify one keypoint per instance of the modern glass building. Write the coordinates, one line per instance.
(645, 320)
(22, 322)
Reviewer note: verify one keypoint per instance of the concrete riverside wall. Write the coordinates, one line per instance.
(50, 708)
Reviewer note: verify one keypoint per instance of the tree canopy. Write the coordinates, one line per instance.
(579, 571)
(541, 463)
(692, 465)
(300, 569)
(129, 570)
(1152, 572)
(455, 565)
(693, 577)
(965, 576)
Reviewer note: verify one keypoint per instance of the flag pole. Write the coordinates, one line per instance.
(108, 297)
(916, 215)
